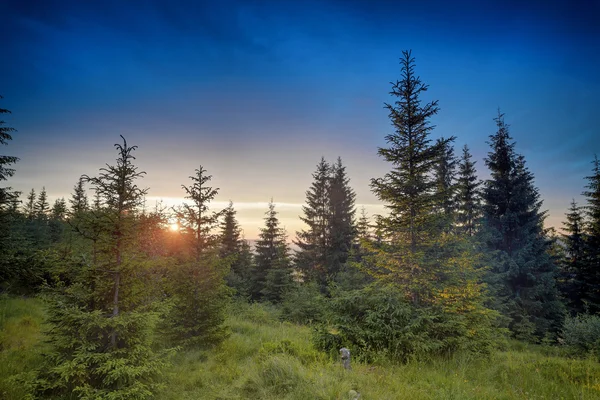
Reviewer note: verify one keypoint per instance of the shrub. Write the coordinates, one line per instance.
(304, 304)
(582, 334)
(378, 321)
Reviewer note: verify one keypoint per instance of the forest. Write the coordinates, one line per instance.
(457, 291)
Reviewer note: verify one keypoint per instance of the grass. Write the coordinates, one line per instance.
(267, 359)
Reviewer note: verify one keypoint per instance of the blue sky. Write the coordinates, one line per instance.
(257, 91)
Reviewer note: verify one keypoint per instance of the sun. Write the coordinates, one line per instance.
(174, 227)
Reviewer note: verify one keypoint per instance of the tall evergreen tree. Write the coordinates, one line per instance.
(445, 174)
(468, 195)
(78, 200)
(30, 205)
(237, 251)
(522, 270)
(6, 194)
(590, 271)
(574, 262)
(271, 275)
(196, 220)
(42, 207)
(313, 242)
(103, 319)
(342, 226)
(230, 233)
(198, 283)
(409, 189)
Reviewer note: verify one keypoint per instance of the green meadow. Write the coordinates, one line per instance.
(264, 358)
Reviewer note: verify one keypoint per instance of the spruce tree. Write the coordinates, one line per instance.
(271, 274)
(445, 173)
(468, 195)
(313, 243)
(342, 226)
(434, 269)
(30, 205)
(42, 207)
(198, 282)
(6, 194)
(575, 258)
(103, 318)
(78, 200)
(523, 272)
(590, 271)
(409, 189)
(237, 251)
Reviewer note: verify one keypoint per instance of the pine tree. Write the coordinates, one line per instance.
(468, 195)
(409, 189)
(445, 173)
(195, 219)
(313, 242)
(590, 271)
(522, 271)
(103, 319)
(230, 233)
(42, 207)
(30, 206)
(6, 195)
(198, 283)
(271, 274)
(573, 264)
(78, 200)
(433, 269)
(342, 228)
(237, 251)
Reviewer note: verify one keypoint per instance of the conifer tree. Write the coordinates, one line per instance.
(237, 251)
(78, 200)
(313, 242)
(342, 227)
(445, 173)
(6, 195)
(434, 269)
(42, 207)
(409, 189)
(590, 271)
(30, 205)
(196, 220)
(522, 270)
(574, 262)
(198, 283)
(271, 274)
(230, 233)
(468, 196)
(103, 319)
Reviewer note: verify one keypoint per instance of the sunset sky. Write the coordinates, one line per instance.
(257, 91)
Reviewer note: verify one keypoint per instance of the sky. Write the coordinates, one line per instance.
(258, 91)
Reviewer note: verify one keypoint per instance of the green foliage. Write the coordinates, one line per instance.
(6, 195)
(468, 195)
(86, 361)
(523, 273)
(329, 212)
(582, 334)
(199, 298)
(589, 271)
(271, 276)
(304, 304)
(378, 322)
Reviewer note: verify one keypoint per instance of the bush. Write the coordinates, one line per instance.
(304, 304)
(582, 334)
(378, 322)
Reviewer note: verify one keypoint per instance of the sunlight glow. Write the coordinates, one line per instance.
(174, 227)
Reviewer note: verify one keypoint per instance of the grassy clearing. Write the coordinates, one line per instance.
(267, 359)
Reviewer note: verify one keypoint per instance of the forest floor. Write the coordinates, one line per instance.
(265, 359)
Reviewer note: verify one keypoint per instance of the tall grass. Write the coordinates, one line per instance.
(266, 359)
